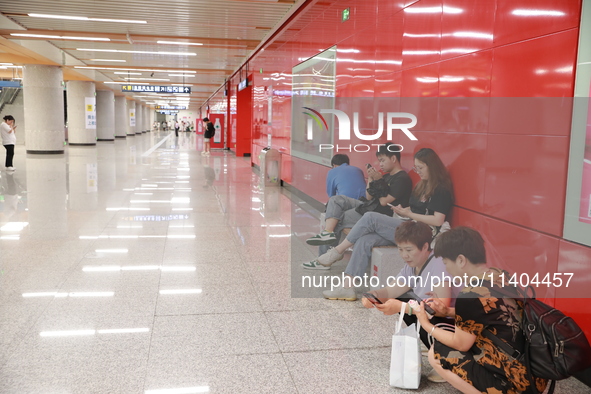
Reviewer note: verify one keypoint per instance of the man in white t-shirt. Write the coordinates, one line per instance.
(7, 129)
(177, 126)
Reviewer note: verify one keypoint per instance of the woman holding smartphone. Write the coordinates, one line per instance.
(7, 129)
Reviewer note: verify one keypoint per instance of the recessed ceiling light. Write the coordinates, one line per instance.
(181, 75)
(179, 43)
(181, 84)
(148, 79)
(125, 69)
(59, 37)
(83, 18)
(126, 73)
(139, 52)
(126, 83)
(108, 60)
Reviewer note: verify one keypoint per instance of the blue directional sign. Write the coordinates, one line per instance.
(171, 107)
(155, 89)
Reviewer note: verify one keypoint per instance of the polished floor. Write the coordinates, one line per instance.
(140, 266)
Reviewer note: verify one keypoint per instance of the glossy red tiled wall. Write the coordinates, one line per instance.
(508, 160)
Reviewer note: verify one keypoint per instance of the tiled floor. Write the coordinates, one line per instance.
(133, 276)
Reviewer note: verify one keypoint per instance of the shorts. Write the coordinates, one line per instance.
(206, 139)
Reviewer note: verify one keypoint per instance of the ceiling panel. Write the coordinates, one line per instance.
(228, 29)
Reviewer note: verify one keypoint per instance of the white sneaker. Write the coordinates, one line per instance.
(424, 349)
(10, 169)
(330, 257)
(314, 265)
(435, 377)
(340, 293)
(324, 238)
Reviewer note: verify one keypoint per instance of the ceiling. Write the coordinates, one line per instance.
(229, 31)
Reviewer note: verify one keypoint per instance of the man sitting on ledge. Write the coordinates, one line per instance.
(343, 212)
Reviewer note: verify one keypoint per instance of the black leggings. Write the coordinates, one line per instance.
(9, 155)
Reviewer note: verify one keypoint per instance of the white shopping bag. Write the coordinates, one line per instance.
(405, 365)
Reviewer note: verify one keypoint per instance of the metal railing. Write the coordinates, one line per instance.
(7, 96)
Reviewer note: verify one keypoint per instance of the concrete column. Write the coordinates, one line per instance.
(139, 123)
(152, 116)
(105, 115)
(144, 128)
(121, 117)
(131, 117)
(144, 113)
(44, 109)
(81, 117)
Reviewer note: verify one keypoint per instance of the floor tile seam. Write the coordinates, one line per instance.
(245, 268)
(22, 337)
(222, 356)
(212, 313)
(316, 310)
(154, 314)
(291, 376)
(286, 352)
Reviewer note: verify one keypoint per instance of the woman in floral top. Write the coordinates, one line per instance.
(466, 358)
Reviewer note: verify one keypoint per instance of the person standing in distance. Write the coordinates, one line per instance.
(7, 129)
(207, 136)
(177, 126)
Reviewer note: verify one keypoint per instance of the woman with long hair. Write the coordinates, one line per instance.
(430, 203)
(432, 197)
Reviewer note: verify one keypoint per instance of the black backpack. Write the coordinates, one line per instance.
(555, 346)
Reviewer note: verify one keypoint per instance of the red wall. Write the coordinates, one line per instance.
(509, 177)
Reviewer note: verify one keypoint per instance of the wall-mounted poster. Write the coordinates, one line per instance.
(90, 112)
(132, 117)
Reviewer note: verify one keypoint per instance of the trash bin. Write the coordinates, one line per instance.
(270, 163)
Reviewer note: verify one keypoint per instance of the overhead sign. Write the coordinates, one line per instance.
(171, 107)
(346, 14)
(243, 84)
(168, 112)
(155, 89)
(10, 84)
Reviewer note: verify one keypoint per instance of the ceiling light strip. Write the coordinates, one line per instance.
(50, 37)
(138, 52)
(84, 18)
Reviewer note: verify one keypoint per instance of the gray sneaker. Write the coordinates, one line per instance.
(340, 293)
(330, 257)
(314, 265)
(324, 238)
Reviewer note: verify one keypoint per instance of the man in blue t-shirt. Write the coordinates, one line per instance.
(343, 179)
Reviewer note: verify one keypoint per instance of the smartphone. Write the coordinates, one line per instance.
(372, 298)
(368, 165)
(411, 294)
